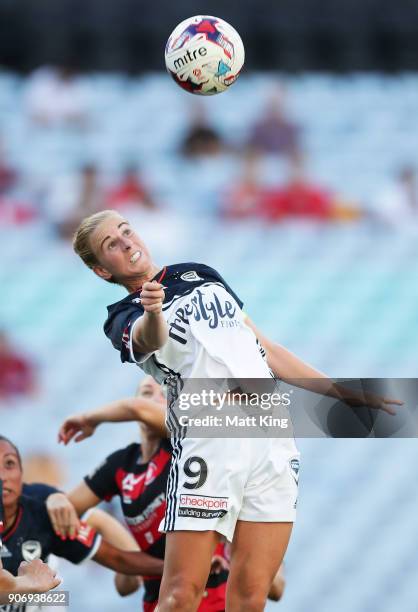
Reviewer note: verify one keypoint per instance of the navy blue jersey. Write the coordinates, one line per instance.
(32, 536)
(179, 281)
(39, 490)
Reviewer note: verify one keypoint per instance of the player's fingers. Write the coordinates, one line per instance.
(67, 431)
(153, 295)
(152, 285)
(396, 402)
(151, 300)
(389, 410)
(63, 522)
(82, 435)
(56, 581)
(54, 521)
(74, 527)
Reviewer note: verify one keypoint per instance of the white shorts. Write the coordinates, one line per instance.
(214, 482)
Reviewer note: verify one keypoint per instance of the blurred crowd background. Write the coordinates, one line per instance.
(299, 185)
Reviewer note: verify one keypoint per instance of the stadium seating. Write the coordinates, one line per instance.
(341, 297)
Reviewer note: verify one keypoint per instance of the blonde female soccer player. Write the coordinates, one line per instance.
(184, 321)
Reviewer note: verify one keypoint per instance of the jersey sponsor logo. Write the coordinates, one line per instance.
(212, 311)
(131, 485)
(133, 521)
(86, 534)
(294, 466)
(202, 506)
(191, 276)
(31, 549)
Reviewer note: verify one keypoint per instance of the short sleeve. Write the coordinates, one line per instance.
(83, 547)
(102, 481)
(119, 328)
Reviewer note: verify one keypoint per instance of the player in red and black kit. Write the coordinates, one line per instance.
(138, 474)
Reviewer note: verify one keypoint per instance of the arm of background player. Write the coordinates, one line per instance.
(128, 562)
(64, 510)
(111, 529)
(150, 332)
(116, 534)
(291, 369)
(81, 426)
(33, 577)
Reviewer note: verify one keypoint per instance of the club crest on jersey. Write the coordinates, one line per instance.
(31, 549)
(151, 473)
(5, 552)
(294, 466)
(191, 276)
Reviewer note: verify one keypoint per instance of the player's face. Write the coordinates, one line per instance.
(150, 389)
(119, 250)
(10, 473)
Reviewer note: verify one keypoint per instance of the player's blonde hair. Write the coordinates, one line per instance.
(81, 238)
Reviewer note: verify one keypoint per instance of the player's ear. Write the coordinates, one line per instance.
(102, 272)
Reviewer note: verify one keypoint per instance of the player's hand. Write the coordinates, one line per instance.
(63, 516)
(77, 427)
(152, 297)
(219, 564)
(39, 576)
(126, 585)
(376, 402)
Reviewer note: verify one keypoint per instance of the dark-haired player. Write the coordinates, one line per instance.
(28, 533)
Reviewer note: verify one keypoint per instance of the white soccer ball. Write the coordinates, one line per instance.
(204, 55)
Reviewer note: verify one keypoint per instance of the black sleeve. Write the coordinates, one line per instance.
(118, 327)
(102, 481)
(39, 490)
(84, 546)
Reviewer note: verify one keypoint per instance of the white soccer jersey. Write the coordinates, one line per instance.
(208, 336)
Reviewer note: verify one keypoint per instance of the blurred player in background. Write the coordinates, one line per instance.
(148, 407)
(138, 474)
(28, 533)
(34, 577)
(201, 332)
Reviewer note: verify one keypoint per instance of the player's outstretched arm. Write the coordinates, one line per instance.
(33, 577)
(291, 369)
(115, 533)
(128, 562)
(78, 427)
(151, 331)
(110, 529)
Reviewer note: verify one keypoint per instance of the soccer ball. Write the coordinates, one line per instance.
(204, 55)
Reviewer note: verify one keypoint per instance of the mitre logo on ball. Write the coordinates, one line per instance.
(204, 55)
